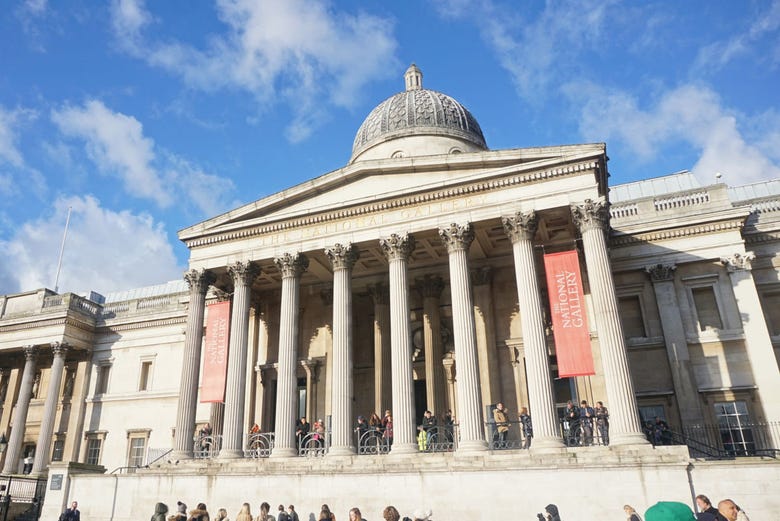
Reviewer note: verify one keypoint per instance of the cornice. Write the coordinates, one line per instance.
(396, 203)
(675, 233)
(62, 321)
(756, 237)
(143, 324)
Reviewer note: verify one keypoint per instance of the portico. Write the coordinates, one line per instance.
(436, 218)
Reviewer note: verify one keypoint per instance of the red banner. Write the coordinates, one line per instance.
(215, 353)
(570, 322)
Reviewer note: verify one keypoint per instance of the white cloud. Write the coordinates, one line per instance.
(535, 50)
(116, 143)
(726, 141)
(300, 50)
(9, 150)
(717, 55)
(105, 250)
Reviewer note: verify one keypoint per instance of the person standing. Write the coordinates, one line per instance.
(160, 509)
(282, 514)
(293, 515)
(631, 514)
(302, 429)
(602, 422)
(572, 419)
(429, 426)
(72, 513)
(704, 505)
(728, 510)
(528, 431)
(587, 414)
(502, 424)
(387, 425)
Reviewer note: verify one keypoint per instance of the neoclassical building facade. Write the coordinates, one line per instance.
(413, 278)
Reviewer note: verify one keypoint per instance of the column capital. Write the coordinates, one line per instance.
(457, 237)
(397, 247)
(59, 349)
(661, 272)
(312, 369)
(342, 257)
(591, 214)
(429, 286)
(199, 280)
(292, 264)
(243, 272)
(379, 293)
(739, 261)
(521, 226)
(30, 352)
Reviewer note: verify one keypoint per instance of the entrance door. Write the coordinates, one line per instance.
(420, 400)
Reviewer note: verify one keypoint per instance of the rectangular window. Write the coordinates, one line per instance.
(58, 450)
(648, 413)
(735, 428)
(137, 452)
(146, 373)
(631, 317)
(771, 304)
(707, 310)
(104, 371)
(93, 451)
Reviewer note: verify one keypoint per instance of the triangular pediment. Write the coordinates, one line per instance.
(374, 181)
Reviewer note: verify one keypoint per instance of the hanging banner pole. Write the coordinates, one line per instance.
(569, 319)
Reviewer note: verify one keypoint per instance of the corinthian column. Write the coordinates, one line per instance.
(458, 238)
(199, 282)
(20, 413)
(430, 289)
(521, 229)
(291, 266)
(383, 388)
(243, 274)
(59, 350)
(397, 249)
(758, 343)
(685, 388)
(342, 259)
(592, 219)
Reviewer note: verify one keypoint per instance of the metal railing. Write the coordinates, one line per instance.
(441, 438)
(259, 445)
(314, 444)
(207, 446)
(584, 433)
(22, 490)
(719, 441)
(373, 441)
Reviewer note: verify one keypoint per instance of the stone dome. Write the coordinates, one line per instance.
(419, 112)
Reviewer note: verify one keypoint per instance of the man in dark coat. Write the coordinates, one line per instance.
(72, 513)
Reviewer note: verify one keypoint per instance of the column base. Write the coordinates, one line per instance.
(284, 452)
(341, 451)
(404, 448)
(547, 443)
(230, 454)
(471, 446)
(628, 438)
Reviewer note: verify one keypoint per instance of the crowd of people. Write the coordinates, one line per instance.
(586, 425)
(200, 513)
(726, 510)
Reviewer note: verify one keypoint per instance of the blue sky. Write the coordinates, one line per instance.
(147, 117)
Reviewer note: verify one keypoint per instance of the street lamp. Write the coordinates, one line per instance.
(3, 443)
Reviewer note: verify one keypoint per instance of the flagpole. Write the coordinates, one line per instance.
(62, 250)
